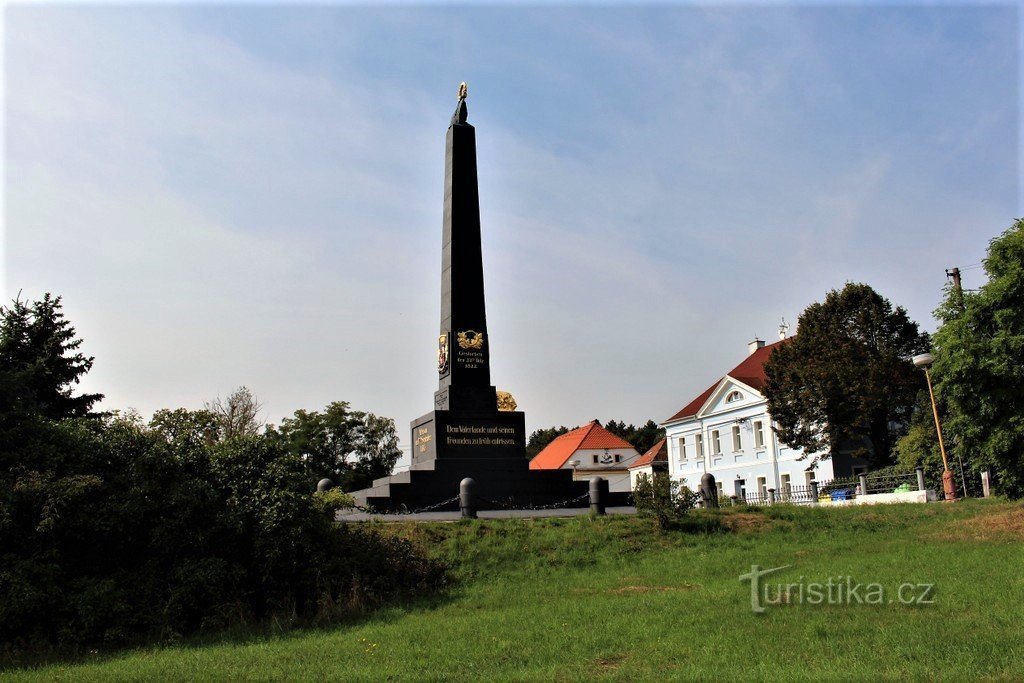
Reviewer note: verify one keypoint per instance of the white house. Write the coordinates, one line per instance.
(727, 431)
(590, 451)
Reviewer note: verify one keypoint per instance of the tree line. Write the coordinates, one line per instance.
(115, 530)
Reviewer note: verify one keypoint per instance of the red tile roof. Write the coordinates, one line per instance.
(657, 453)
(750, 372)
(590, 435)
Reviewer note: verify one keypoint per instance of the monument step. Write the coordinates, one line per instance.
(397, 478)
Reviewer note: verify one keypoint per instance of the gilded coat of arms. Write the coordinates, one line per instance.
(471, 340)
(442, 354)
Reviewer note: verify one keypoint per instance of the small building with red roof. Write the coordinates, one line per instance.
(654, 461)
(590, 451)
(726, 430)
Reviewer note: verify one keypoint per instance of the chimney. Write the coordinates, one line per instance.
(755, 345)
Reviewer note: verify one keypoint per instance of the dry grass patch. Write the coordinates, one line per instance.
(642, 589)
(745, 521)
(609, 663)
(1001, 525)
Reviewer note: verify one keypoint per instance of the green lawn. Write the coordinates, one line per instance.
(614, 598)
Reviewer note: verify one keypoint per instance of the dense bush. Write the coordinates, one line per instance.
(664, 498)
(112, 531)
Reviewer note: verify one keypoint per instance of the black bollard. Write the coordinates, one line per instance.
(597, 495)
(467, 498)
(709, 490)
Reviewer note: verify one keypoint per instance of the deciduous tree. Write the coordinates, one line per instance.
(237, 415)
(350, 447)
(979, 365)
(847, 375)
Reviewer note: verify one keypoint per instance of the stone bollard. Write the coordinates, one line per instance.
(324, 485)
(467, 498)
(771, 496)
(708, 491)
(920, 479)
(986, 489)
(863, 484)
(597, 495)
(814, 492)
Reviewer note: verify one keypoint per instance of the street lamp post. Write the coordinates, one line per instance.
(924, 361)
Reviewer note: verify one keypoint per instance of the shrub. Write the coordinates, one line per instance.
(664, 498)
(112, 531)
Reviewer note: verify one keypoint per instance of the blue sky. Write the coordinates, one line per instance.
(231, 195)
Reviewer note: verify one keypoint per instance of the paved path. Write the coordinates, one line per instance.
(452, 515)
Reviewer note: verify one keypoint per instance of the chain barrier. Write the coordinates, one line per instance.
(507, 506)
(499, 505)
(404, 510)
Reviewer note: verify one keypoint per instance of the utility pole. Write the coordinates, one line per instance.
(955, 274)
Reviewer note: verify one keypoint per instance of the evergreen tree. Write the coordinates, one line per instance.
(40, 361)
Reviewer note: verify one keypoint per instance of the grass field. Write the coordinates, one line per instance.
(614, 598)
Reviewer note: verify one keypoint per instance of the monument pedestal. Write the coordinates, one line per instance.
(449, 446)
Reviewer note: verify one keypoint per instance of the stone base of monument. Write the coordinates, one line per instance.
(501, 483)
(488, 447)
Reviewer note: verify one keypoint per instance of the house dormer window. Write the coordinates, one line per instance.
(733, 396)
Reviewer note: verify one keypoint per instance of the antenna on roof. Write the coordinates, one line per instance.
(783, 328)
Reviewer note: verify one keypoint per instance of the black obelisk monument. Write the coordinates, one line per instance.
(465, 421)
(465, 435)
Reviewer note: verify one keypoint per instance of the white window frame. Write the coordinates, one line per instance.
(762, 486)
(737, 439)
(682, 448)
(700, 444)
(758, 434)
(808, 477)
(716, 442)
(733, 396)
(786, 485)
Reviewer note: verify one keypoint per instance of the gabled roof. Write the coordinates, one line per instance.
(750, 372)
(590, 436)
(657, 453)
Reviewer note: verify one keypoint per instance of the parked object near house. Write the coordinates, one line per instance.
(727, 431)
(653, 461)
(590, 451)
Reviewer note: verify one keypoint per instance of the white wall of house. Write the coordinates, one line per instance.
(610, 463)
(599, 458)
(634, 473)
(618, 479)
(732, 438)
